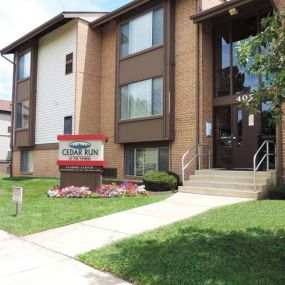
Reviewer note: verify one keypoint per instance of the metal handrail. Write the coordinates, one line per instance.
(198, 155)
(266, 155)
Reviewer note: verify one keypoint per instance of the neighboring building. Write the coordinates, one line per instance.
(153, 80)
(5, 135)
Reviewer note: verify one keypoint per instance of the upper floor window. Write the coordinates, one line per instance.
(22, 119)
(142, 99)
(231, 78)
(24, 65)
(142, 33)
(68, 125)
(69, 63)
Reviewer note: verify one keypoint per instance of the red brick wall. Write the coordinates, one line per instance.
(185, 82)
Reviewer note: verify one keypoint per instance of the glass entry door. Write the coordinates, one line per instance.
(237, 136)
(246, 132)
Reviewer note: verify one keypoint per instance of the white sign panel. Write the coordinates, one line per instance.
(251, 120)
(81, 150)
(209, 129)
(17, 195)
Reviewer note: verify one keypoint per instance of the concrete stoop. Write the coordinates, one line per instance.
(230, 183)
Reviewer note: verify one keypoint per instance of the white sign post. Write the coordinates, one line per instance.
(17, 198)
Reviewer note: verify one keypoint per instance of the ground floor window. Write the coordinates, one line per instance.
(27, 162)
(141, 160)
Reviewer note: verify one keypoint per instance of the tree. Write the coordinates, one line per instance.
(264, 55)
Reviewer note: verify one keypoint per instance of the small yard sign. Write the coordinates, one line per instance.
(17, 195)
(17, 198)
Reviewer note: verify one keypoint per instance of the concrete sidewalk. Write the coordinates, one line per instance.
(24, 263)
(47, 258)
(81, 237)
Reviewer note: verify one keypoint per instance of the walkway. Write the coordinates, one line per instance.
(81, 237)
(47, 257)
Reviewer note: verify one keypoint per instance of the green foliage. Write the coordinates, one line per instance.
(159, 181)
(264, 55)
(176, 176)
(277, 193)
(241, 244)
(40, 213)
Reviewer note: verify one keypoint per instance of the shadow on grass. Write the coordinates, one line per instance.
(197, 256)
(23, 178)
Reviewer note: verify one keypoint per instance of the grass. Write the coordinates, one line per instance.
(40, 213)
(242, 244)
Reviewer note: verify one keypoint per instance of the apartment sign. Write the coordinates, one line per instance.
(81, 150)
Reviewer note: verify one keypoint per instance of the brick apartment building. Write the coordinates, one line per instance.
(5, 135)
(156, 77)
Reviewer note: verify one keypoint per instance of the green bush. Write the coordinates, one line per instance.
(277, 193)
(176, 176)
(159, 181)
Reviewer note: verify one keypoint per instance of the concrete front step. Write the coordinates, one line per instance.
(223, 192)
(224, 178)
(232, 173)
(230, 183)
(225, 185)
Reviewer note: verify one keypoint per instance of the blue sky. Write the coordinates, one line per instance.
(18, 17)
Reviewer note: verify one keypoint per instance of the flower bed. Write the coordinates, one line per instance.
(107, 191)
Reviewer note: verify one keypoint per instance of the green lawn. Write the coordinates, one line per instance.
(242, 244)
(41, 213)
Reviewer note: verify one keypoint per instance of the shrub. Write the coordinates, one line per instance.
(159, 181)
(176, 176)
(277, 194)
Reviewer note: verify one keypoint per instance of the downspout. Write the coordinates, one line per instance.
(12, 114)
(198, 80)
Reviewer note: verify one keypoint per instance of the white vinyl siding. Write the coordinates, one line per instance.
(5, 122)
(55, 89)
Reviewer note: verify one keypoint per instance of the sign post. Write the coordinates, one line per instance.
(17, 198)
(81, 160)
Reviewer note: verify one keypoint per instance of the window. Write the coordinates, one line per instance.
(141, 160)
(142, 33)
(69, 64)
(231, 78)
(9, 155)
(24, 65)
(9, 130)
(68, 125)
(26, 162)
(22, 120)
(142, 99)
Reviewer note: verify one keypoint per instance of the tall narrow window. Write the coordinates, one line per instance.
(242, 29)
(69, 64)
(26, 162)
(24, 65)
(222, 59)
(142, 33)
(68, 125)
(22, 117)
(142, 99)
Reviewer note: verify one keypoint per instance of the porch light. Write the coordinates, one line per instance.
(233, 11)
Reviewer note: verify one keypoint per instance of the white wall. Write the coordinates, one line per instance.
(55, 90)
(207, 4)
(5, 122)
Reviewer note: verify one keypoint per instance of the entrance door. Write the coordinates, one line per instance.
(237, 137)
(246, 131)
